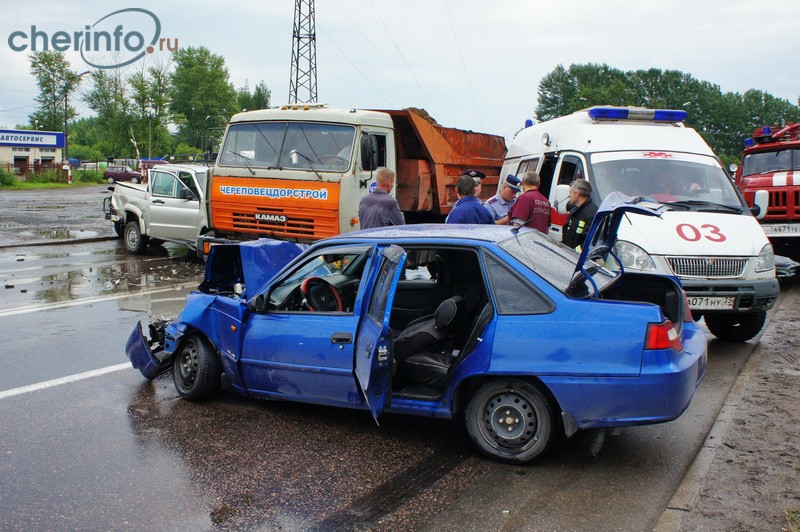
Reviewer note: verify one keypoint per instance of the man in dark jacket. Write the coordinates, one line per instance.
(379, 208)
(581, 214)
(468, 209)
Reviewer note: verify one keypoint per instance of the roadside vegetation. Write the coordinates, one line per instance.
(50, 179)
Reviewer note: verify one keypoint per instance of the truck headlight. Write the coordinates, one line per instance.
(766, 259)
(632, 256)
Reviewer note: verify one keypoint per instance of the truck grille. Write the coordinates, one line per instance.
(300, 224)
(717, 267)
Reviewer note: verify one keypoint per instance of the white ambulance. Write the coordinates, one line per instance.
(710, 239)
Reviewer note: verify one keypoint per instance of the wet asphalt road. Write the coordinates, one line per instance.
(87, 443)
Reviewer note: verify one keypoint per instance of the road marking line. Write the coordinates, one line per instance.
(78, 302)
(63, 380)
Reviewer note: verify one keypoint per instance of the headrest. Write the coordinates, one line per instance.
(448, 311)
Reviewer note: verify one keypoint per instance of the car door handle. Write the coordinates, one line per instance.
(341, 338)
(158, 201)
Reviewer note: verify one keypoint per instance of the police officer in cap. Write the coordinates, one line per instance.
(506, 195)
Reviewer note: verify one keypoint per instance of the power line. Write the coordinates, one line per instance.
(464, 66)
(354, 66)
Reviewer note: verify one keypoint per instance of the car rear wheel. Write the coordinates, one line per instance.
(135, 180)
(736, 327)
(110, 180)
(511, 420)
(135, 242)
(196, 370)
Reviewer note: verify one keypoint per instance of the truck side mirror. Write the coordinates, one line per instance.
(733, 167)
(760, 204)
(369, 152)
(562, 198)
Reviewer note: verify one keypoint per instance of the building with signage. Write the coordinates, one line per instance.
(25, 150)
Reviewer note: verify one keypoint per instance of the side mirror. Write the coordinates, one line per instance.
(760, 204)
(562, 198)
(733, 167)
(369, 152)
(258, 304)
(187, 194)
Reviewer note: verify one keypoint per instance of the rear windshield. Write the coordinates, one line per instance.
(289, 145)
(554, 262)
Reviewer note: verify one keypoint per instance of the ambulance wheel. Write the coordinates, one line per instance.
(736, 327)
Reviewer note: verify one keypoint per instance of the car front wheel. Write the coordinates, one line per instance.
(135, 242)
(736, 327)
(511, 420)
(196, 370)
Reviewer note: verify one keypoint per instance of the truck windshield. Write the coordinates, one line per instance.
(771, 161)
(290, 145)
(665, 177)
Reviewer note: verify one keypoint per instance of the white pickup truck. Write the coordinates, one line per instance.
(169, 207)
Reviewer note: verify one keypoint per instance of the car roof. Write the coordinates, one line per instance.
(456, 232)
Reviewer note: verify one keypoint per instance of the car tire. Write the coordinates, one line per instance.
(511, 420)
(196, 369)
(135, 242)
(110, 180)
(736, 327)
(119, 228)
(135, 180)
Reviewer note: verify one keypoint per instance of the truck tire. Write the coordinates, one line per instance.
(736, 327)
(135, 242)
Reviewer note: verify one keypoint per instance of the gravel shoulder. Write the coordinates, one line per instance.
(747, 474)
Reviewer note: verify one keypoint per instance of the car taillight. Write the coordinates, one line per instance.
(663, 335)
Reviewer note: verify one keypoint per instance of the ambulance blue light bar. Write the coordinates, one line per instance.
(637, 113)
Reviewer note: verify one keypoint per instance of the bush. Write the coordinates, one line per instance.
(7, 179)
(48, 176)
(89, 176)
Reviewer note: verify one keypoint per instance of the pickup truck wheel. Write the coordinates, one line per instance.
(511, 420)
(135, 242)
(119, 228)
(736, 327)
(196, 370)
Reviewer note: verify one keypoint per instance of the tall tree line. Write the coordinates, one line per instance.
(180, 105)
(724, 119)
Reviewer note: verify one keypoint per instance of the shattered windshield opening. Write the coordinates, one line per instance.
(289, 145)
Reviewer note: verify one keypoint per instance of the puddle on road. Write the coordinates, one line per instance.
(60, 233)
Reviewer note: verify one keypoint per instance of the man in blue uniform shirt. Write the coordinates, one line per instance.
(468, 208)
(506, 195)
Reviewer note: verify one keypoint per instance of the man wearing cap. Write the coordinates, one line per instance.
(499, 204)
(468, 208)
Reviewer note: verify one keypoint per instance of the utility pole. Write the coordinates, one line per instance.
(304, 54)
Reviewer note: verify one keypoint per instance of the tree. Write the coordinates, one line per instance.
(202, 98)
(56, 82)
(258, 99)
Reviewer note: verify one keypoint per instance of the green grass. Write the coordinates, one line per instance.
(792, 521)
(50, 179)
(26, 185)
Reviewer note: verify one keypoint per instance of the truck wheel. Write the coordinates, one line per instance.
(196, 370)
(135, 242)
(511, 420)
(736, 327)
(119, 228)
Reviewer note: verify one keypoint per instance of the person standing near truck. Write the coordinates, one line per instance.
(580, 216)
(468, 209)
(379, 208)
(531, 209)
(500, 203)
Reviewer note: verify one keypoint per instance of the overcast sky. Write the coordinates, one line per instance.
(472, 64)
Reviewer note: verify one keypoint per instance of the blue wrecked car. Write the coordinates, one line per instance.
(521, 337)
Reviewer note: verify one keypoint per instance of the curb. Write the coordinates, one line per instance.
(685, 497)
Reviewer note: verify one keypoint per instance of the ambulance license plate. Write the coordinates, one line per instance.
(711, 303)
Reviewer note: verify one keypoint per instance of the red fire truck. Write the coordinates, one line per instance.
(771, 162)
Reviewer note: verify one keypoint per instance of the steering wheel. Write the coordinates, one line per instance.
(332, 159)
(320, 295)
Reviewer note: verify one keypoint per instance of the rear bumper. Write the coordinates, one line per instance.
(749, 296)
(661, 393)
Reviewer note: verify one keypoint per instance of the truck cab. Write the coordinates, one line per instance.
(709, 238)
(771, 162)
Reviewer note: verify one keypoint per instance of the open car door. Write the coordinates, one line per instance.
(373, 357)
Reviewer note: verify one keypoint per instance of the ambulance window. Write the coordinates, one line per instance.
(529, 165)
(571, 169)
(546, 174)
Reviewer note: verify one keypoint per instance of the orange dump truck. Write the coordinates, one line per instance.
(299, 172)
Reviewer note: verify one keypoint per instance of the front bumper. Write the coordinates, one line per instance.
(749, 296)
(141, 355)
